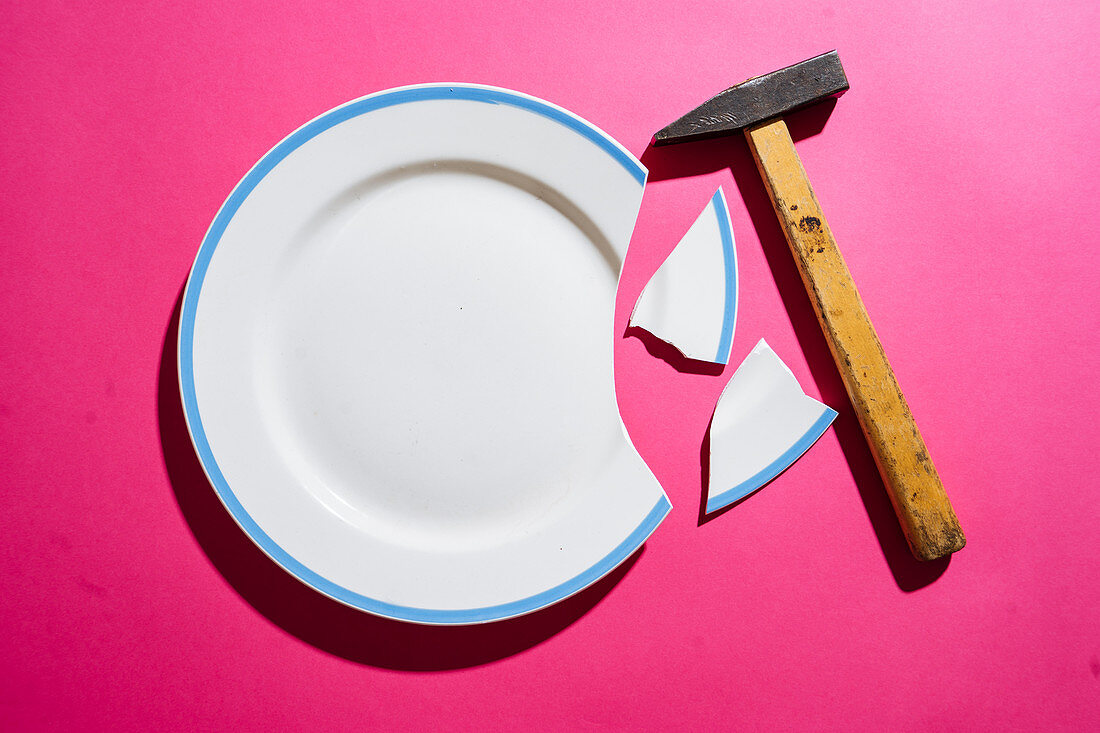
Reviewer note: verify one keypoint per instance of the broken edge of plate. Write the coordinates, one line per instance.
(690, 303)
(763, 423)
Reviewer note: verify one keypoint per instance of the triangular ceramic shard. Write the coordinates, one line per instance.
(763, 422)
(691, 301)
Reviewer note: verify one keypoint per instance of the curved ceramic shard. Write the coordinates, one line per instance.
(763, 422)
(691, 301)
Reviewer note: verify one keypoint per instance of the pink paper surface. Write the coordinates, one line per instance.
(959, 175)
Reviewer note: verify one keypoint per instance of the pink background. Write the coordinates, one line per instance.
(959, 175)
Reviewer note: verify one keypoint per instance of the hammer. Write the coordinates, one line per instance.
(757, 107)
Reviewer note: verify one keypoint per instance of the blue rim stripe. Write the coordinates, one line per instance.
(777, 466)
(729, 254)
(187, 374)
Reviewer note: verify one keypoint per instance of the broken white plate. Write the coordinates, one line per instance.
(691, 301)
(762, 423)
(396, 355)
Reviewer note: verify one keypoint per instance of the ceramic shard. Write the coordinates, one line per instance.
(762, 423)
(691, 301)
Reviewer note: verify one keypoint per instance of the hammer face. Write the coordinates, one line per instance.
(759, 99)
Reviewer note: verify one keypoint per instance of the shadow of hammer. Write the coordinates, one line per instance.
(756, 107)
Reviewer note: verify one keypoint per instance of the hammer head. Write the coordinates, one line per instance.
(759, 99)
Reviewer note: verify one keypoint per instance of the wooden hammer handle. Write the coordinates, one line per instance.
(922, 506)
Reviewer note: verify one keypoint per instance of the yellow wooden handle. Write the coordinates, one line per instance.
(922, 506)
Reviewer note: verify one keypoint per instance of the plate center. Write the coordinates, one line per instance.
(436, 358)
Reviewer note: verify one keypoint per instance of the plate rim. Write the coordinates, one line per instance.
(185, 356)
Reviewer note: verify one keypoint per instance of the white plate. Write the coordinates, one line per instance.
(396, 355)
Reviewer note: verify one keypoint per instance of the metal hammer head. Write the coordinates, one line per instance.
(759, 99)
